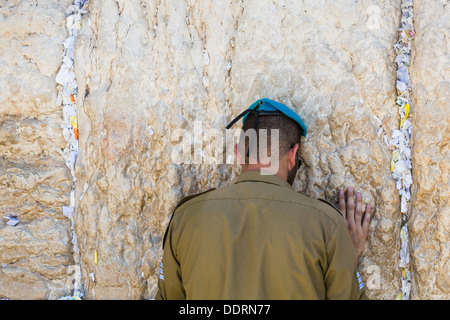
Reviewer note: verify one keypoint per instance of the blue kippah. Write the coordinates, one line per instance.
(267, 105)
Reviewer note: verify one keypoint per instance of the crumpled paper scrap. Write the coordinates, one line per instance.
(12, 220)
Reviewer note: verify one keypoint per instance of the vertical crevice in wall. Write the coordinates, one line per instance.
(67, 97)
(401, 166)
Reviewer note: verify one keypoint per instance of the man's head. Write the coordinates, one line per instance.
(270, 140)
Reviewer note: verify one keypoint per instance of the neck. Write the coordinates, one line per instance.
(266, 169)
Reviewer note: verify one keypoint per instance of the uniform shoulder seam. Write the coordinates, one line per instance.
(179, 204)
(323, 209)
(330, 204)
(190, 197)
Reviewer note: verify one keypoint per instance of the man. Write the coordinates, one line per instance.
(259, 239)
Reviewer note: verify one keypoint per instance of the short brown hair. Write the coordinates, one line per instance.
(289, 132)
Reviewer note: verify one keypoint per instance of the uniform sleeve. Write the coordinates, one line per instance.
(341, 280)
(170, 286)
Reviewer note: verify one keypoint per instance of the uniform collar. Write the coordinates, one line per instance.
(267, 178)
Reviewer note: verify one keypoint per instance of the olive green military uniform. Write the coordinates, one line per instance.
(257, 239)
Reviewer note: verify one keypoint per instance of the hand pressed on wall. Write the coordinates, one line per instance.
(357, 225)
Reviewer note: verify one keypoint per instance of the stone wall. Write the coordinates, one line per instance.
(146, 69)
(430, 227)
(35, 183)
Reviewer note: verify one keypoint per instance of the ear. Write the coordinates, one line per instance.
(292, 154)
(238, 155)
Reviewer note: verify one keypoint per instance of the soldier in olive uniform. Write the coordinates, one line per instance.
(257, 238)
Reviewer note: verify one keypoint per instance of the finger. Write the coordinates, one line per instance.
(358, 209)
(350, 208)
(342, 203)
(366, 222)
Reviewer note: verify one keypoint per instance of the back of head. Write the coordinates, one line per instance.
(279, 129)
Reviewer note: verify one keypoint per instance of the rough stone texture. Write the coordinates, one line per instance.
(430, 219)
(34, 181)
(146, 69)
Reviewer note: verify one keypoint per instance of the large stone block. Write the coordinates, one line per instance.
(430, 217)
(147, 69)
(35, 255)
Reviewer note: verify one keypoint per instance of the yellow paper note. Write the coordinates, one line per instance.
(394, 159)
(73, 122)
(406, 114)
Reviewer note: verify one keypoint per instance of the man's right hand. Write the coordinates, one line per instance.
(356, 225)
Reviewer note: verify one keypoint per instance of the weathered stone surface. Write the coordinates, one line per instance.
(34, 181)
(430, 218)
(148, 71)
(31, 42)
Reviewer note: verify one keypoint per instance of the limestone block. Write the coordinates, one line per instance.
(34, 257)
(31, 45)
(430, 217)
(149, 69)
(34, 181)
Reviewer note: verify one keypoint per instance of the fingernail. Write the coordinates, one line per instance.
(341, 192)
(350, 189)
